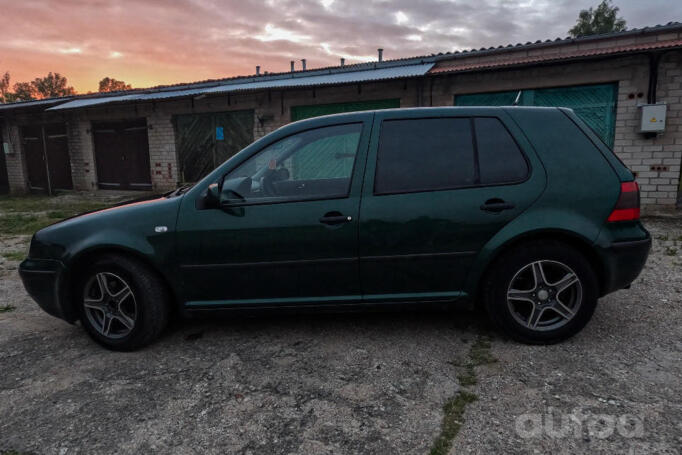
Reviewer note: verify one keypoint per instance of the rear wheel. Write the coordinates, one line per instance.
(123, 304)
(541, 293)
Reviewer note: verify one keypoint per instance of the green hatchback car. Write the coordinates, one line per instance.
(521, 210)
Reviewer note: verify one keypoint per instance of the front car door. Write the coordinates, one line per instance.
(293, 238)
(439, 184)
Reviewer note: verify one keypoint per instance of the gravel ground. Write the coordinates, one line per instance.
(354, 383)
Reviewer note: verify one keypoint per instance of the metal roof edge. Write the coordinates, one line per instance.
(558, 42)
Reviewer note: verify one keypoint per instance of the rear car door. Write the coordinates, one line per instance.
(438, 187)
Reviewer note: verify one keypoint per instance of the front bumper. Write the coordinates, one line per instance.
(624, 262)
(43, 280)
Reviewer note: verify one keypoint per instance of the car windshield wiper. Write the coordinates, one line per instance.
(179, 190)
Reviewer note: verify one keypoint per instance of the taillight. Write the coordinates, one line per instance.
(627, 207)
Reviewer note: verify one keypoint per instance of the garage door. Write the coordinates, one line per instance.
(47, 157)
(594, 104)
(204, 141)
(4, 181)
(303, 112)
(122, 155)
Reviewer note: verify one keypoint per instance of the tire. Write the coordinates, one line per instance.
(135, 318)
(541, 312)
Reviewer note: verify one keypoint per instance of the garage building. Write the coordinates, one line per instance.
(154, 139)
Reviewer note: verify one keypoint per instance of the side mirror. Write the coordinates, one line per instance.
(229, 197)
(213, 195)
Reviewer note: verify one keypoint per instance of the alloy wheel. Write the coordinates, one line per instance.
(110, 305)
(544, 295)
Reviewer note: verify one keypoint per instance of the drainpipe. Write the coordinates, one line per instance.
(654, 60)
(292, 66)
(303, 64)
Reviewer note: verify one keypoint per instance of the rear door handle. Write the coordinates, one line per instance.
(496, 205)
(333, 218)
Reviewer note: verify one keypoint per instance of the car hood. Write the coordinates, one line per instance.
(131, 223)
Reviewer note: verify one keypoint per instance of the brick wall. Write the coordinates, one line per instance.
(82, 153)
(162, 157)
(16, 165)
(656, 160)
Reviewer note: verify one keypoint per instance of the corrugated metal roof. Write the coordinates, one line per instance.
(460, 65)
(261, 82)
(23, 104)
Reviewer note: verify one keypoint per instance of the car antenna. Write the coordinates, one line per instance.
(518, 98)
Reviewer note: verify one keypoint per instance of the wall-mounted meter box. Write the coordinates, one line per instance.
(652, 118)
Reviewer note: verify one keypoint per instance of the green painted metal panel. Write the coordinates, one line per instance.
(303, 112)
(594, 104)
(200, 149)
(487, 99)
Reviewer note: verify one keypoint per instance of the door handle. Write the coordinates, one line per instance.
(496, 205)
(333, 218)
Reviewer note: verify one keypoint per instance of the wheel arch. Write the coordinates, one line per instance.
(569, 238)
(80, 261)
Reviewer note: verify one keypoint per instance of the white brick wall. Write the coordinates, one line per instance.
(81, 152)
(16, 165)
(162, 157)
(656, 160)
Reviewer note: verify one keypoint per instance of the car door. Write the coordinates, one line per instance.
(438, 187)
(294, 237)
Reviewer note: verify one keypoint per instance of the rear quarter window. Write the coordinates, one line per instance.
(500, 159)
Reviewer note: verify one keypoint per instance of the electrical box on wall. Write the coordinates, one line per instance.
(652, 118)
(6, 148)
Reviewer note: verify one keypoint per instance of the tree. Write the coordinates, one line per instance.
(51, 86)
(603, 19)
(4, 88)
(109, 84)
(23, 91)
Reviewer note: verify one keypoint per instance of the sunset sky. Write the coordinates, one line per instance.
(151, 42)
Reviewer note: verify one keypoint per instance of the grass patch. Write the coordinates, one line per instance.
(468, 377)
(17, 223)
(670, 251)
(662, 237)
(453, 419)
(14, 255)
(480, 352)
(23, 215)
(453, 411)
(6, 309)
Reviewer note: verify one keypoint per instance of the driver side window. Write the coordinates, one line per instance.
(312, 164)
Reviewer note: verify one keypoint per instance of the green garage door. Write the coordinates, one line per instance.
(303, 112)
(594, 104)
(204, 141)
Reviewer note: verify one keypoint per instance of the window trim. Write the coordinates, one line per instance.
(529, 168)
(269, 201)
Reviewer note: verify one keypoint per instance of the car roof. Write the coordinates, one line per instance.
(431, 110)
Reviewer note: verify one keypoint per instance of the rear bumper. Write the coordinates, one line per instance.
(624, 262)
(42, 279)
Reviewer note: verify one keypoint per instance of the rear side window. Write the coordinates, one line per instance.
(500, 160)
(424, 154)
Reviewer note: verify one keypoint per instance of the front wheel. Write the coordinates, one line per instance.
(123, 304)
(541, 293)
